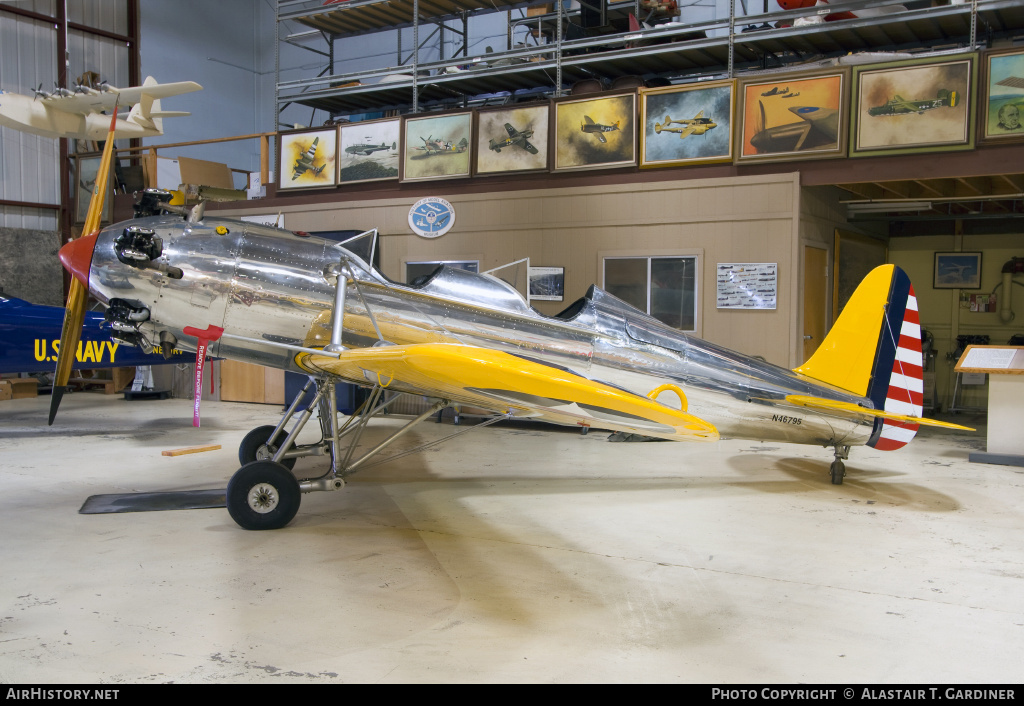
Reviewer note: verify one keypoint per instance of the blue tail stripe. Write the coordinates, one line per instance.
(888, 339)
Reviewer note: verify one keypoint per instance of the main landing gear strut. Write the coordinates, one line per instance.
(264, 494)
(838, 470)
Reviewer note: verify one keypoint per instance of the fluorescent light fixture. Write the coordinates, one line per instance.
(885, 206)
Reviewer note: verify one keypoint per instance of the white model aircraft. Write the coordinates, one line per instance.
(77, 113)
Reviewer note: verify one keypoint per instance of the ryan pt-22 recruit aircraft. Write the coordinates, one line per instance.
(262, 295)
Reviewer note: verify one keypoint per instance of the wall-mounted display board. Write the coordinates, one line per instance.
(368, 151)
(306, 159)
(595, 133)
(689, 124)
(745, 285)
(1002, 103)
(512, 139)
(793, 116)
(913, 106)
(436, 146)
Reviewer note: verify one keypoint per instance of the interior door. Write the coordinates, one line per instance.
(815, 296)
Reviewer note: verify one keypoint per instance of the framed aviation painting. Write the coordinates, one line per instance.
(793, 117)
(436, 147)
(306, 159)
(595, 133)
(687, 124)
(368, 151)
(1002, 105)
(512, 139)
(913, 106)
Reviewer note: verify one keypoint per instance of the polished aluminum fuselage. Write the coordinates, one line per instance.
(272, 291)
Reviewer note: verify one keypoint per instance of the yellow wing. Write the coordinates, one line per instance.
(508, 383)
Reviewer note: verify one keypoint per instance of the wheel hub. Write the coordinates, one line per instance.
(263, 498)
(265, 453)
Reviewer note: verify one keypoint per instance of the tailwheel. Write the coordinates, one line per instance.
(254, 447)
(263, 495)
(838, 470)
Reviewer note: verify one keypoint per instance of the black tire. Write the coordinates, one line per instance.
(254, 447)
(838, 470)
(263, 495)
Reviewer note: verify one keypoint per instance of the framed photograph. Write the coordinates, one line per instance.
(687, 124)
(87, 167)
(913, 106)
(793, 116)
(595, 133)
(436, 147)
(512, 139)
(1002, 104)
(368, 151)
(307, 159)
(547, 283)
(957, 270)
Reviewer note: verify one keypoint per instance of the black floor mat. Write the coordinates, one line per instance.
(153, 502)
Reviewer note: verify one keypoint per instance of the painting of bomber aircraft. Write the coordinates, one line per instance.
(368, 150)
(913, 106)
(809, 123)
(308, 159)
(898, 105)
(78, 112)
(463, 337)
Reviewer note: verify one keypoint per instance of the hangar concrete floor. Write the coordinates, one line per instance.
(518, 554)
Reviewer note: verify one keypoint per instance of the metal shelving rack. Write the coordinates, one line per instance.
(677, 53)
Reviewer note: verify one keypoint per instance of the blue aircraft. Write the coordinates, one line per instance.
(30, 339)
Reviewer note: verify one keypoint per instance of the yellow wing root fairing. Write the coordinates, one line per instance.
(498, 380)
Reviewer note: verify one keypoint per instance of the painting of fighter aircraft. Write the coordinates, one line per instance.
(898, 105)
(458, 337)
(428, 138)
(307, 159)
(78, 113)
(811, 126)
(512, 139)
(915, 106)
(697, 125)
(596, 132)
(516, 138)
(711, 106)
(589, 127)
(368, 150)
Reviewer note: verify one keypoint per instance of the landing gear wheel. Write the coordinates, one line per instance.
(254, 447)
(263, 495)
(838, 470)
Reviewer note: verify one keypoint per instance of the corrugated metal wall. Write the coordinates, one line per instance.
(29, 165)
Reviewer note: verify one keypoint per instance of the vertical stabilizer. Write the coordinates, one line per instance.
(874, 350)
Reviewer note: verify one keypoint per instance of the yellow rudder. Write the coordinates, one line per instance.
(846, 357)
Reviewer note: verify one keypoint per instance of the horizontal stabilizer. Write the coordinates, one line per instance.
(508, 383)
(170, 114)
(855, 409)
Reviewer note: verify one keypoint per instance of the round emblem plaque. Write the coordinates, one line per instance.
(431, 217)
